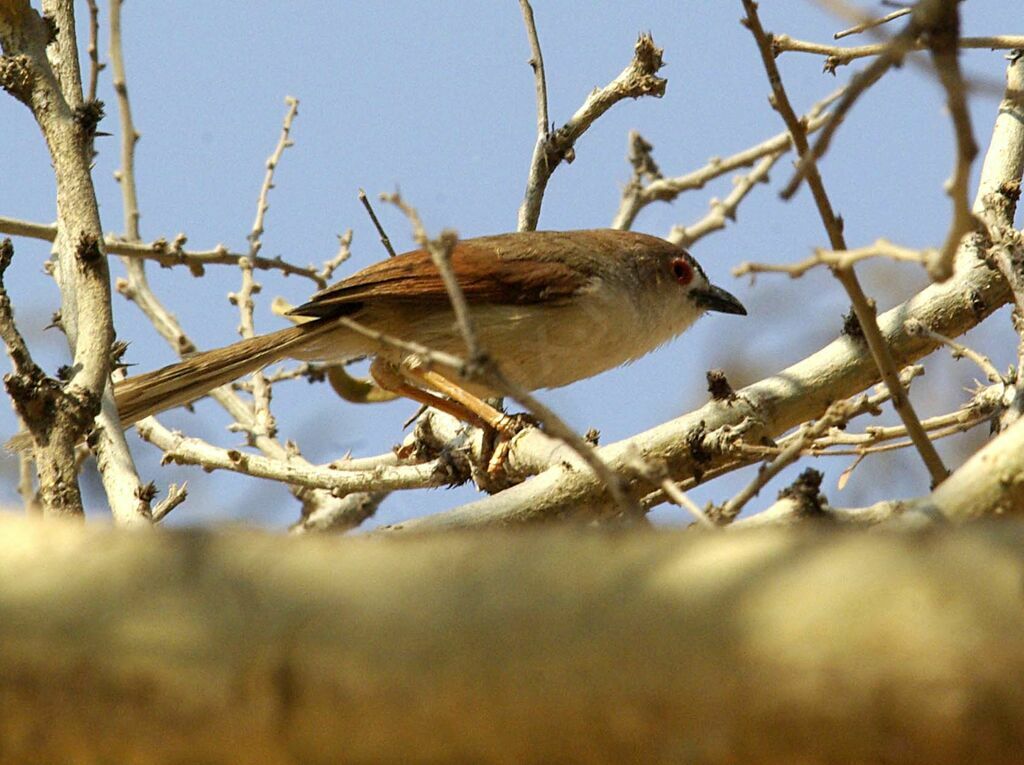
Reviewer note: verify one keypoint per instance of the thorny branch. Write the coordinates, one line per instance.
(864, 310)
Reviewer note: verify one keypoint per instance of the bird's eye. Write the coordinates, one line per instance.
(682, 271)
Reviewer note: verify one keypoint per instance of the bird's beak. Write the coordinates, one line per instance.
(713, 298)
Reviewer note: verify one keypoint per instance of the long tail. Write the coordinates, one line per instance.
(188, 380)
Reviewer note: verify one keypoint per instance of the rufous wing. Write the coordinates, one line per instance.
(485, 275)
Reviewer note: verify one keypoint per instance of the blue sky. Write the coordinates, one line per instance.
(437, 99)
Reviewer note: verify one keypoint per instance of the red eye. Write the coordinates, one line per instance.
(682, 271)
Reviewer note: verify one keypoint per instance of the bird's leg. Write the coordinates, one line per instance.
(455, 401)
(391, 379)
(498, 421)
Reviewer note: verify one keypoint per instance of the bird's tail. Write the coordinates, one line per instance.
(188, 380)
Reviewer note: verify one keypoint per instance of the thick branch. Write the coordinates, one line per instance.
(548, 647)
(54, 95)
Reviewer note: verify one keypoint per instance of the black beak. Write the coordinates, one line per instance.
(713, 298)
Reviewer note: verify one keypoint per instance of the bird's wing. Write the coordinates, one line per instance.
(483, 273)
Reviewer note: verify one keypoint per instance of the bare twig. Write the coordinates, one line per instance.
(537, 64)
(95, 65)
(262, 205)
(636, 195)
(176, 494)
(843, 259)
(636, 80)
(182, 450)
(681, 498)
(837, 413)
(243, 298)
(119, 476)
(871, 23)
(959, 350)
(942, 21)
(982, 408)
(841, 56)
(723, 210)
(384, 240)
(543, 123)
(864, 310)
(343, 254)
(166, 253)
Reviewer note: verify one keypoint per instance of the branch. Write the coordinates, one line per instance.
(182, 450)
(841, 259)
(636, 195)
(723, 210)
(129, 499)
(996, 204)
(95, 66)
(167, 253)
(839, 412)
(53, 93)
(342, 516)
(588, 642)
(264, 420)
(841, 56)
(942, 22)
(864, 310)
(636, 80)
(543, 123)
(872, 23)
(384, 240)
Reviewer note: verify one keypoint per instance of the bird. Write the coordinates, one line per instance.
(548, 307)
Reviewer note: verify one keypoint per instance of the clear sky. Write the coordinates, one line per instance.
(437, 99)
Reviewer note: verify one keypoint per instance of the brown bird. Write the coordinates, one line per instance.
(550, 307)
